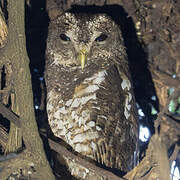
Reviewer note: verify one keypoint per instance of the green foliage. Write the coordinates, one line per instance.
(172, 107)
(153, 110)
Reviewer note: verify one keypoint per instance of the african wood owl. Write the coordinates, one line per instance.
(90, 100)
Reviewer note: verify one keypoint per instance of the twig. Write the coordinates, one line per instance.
(175, 153)
(3, 137)
(164, 78)
(91, 170)
(8, 114)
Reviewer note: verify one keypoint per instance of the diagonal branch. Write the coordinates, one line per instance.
(8, 114)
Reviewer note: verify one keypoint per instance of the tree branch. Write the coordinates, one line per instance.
(8, 114)
(14, 53)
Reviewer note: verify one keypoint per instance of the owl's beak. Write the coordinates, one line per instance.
(82, 57)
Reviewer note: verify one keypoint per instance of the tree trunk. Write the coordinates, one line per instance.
(15, 58)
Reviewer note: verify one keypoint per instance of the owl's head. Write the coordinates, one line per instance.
(80, 40)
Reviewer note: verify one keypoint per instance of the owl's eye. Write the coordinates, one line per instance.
(64, 37)
(101, 38)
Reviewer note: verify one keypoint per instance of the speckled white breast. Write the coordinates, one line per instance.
(70, 120)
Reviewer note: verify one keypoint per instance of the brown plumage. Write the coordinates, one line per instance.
(90, 100)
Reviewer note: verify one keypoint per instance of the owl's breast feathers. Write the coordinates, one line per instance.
(98, 120)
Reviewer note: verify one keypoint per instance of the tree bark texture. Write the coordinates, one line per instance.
(14, 56)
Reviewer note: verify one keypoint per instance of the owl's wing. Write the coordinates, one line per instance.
(118, 119)
(130, 105)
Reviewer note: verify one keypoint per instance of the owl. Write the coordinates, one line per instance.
(90, 100)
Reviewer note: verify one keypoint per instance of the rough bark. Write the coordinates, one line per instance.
(15, 59)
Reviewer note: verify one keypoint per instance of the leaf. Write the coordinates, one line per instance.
(153, 111)
(172, 107)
